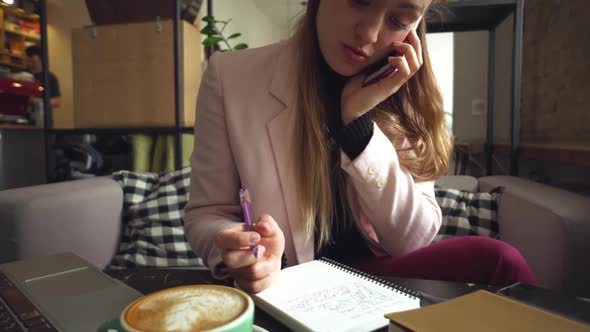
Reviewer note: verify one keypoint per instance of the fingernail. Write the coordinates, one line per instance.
(261, 250)
(254, 238)
(262, 224)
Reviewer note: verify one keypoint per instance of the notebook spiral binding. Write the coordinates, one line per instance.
(366, 276)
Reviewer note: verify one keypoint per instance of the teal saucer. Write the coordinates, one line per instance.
(112, 325)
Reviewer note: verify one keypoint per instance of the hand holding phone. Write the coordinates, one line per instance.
(382, 68)
(361, 94)
(379, 70)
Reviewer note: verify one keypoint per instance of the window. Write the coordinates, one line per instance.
(440, 48)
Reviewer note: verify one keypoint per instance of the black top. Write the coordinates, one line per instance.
(346, 242)
(53, 84)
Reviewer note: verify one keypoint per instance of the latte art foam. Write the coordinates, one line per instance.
(186, 309)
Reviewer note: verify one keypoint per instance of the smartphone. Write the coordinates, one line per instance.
(379, 70)
(382, 68)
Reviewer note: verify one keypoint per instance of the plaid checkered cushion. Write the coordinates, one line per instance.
(153, 229)
(467, 213)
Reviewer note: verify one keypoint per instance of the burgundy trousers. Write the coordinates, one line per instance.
(474, 259)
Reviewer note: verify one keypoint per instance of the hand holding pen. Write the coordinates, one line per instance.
(245, 201)
(237, 244)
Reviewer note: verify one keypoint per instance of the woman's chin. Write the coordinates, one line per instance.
(346, 70)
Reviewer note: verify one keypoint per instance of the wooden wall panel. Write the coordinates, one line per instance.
(556, 73)
(124, 77)
(191, 64)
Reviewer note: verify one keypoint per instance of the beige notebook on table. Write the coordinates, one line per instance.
(323, 295)
(481, 311)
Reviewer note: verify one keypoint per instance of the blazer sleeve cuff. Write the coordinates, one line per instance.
(377, 157)
(355, 137)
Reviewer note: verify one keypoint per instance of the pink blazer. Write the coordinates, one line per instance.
(243, 138)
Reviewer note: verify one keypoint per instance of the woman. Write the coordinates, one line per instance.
(333, 168)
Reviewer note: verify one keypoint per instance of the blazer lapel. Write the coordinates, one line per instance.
(281, 129)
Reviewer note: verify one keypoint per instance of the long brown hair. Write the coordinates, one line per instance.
(414, 112)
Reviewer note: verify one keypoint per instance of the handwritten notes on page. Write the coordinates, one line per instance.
(317, 296)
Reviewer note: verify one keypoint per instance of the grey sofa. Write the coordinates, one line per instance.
(551, 227)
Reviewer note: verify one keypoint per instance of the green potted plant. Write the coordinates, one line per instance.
(215, 38)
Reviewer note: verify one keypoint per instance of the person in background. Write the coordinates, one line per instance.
(34, 55)
(334, 167)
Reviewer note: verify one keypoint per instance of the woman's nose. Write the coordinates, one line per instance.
(368, 28)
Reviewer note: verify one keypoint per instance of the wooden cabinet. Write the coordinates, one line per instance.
(18, 30)
(124, 75)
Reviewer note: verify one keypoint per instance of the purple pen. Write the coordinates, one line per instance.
(245, 200)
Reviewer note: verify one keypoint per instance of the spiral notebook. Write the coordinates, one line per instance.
(324, 295)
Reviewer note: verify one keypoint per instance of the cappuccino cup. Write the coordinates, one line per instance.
(191, 308)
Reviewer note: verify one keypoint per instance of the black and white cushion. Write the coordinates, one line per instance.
(153, 228)
(467, 213)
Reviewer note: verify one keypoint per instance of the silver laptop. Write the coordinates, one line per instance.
(61, 292)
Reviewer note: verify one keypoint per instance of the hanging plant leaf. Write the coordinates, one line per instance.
(212, 40)
(214, 36)
(209, 19)
(209, 30)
